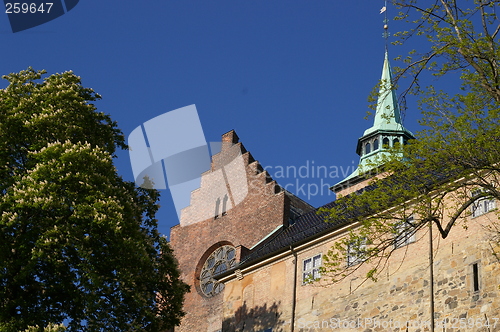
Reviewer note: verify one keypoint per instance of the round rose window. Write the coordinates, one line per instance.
(222, 259)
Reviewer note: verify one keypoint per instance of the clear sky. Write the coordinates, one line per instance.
(292, 77)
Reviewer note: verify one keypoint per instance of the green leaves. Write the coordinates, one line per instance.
(77, 243)
(455, 155)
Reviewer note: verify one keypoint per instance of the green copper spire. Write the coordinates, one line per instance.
(387, 130)
(387, 116)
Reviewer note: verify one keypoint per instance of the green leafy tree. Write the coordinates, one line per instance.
(452, 169)
(78, 244)
(454, 37)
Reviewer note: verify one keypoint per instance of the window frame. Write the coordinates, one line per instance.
(482, 205)
(476, 277)
(219, 260)
(404, 234)
(357, 256)
(310, 273)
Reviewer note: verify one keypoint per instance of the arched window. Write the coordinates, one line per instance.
(222, 259)
(395, 141)
(375, 144)
(385, 142)
(368, 148)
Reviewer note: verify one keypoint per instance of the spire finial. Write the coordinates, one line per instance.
(386, 33)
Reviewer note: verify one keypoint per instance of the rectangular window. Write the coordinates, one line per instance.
(404, 233)
(356, 252)
(310, 269)
(483, 205)
(475, 277)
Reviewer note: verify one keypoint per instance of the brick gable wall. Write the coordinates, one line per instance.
(251, 215)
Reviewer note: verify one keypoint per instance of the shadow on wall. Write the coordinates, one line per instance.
(256, 319)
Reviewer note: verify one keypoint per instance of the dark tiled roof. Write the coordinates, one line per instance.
(306, 227)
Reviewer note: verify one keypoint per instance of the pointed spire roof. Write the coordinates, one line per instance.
(387, 116)
(387, 130)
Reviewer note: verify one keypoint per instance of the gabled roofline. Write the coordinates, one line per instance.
(267, 236)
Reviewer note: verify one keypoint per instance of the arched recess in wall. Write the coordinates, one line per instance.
(247, 297)
(216, 259)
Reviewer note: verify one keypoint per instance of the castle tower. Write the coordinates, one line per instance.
(386, 132)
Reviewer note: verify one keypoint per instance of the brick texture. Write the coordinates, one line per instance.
(251, 213)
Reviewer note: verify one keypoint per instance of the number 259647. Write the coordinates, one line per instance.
(27, 8)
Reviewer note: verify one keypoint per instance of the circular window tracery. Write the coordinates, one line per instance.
(222, 259)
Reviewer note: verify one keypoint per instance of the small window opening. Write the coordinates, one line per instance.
(217, 205)
(475, 277)
(375, 144)
(385, 142)
(224, 205)
(368, 148)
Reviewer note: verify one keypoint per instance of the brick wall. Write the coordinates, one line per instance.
(250, 215)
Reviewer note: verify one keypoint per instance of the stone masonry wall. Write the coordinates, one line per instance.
(398, 301)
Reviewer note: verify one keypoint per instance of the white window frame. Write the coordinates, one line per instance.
(404, 233)
(310, 268)
(356, 253)
(482, 205)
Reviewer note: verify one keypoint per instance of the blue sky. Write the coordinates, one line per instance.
(291, 77)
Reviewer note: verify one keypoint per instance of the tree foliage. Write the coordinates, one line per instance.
(48, 328)
(77, 243)
(453, 165)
